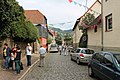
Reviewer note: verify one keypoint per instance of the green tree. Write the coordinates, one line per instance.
(49, 40)
(68, 39)
(4, 18)
(58, 39)
(14, 24)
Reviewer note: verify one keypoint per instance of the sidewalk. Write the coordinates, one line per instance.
(10, 75)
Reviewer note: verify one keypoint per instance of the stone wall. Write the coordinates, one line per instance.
(109, 49)
(23, 45)
(10, 43)
(95, 48)
(36, 47)
(112, 49)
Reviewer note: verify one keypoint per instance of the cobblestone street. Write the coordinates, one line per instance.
(58, 67)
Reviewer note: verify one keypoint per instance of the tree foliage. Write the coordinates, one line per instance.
(13, 23)
(68, 38)
(58, 39)
(87, 19)
(25, 32)
(49, 40)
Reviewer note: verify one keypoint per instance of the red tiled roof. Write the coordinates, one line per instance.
(35, 16)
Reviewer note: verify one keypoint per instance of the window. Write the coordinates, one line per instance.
(95, 28)
(117, 56)
(82, 51)
(98, 57)
(95, 56)
(117, 59)
(53, 45)
(108, 60)
(108, 22)
(78, 50)
(87, 51)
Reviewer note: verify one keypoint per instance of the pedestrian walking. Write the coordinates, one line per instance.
(65, 51)
(28, 54)
(14, 50)
(42, 52)
(18, 60)
(6, 56)
(60, 49)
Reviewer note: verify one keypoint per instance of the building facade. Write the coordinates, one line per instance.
(40, 21)
(77, 33)
(93, 41)
(94, 30)
(95, 34)
(111, 25)
(106, 35)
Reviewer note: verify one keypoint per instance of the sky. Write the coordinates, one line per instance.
(60, 13)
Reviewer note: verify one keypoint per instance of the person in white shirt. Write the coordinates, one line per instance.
(28, 54)
(60, 49)
(42, 52)
(65, 50)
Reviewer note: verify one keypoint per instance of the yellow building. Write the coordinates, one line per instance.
(76, 35)
(111, 24)
(93, 41)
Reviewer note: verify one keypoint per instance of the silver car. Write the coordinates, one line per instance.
(53, 48)
(82, 55)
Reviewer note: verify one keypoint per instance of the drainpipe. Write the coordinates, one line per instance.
(102, 38)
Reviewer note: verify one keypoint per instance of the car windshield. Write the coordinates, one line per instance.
(117, 56)
(88, 51)
(53, 45)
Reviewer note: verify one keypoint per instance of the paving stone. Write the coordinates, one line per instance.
(59, 67)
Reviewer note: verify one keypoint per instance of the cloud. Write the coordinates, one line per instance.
(57, 11)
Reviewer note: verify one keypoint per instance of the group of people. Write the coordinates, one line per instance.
(12, 57)
(63, 49)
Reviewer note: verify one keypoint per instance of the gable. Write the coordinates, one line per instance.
(34, 16)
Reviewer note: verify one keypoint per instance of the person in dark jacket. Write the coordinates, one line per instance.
(6, 56)
(18, 60)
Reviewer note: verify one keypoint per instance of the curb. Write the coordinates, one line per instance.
(28, 70)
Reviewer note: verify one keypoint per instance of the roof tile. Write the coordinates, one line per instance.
(35, 16)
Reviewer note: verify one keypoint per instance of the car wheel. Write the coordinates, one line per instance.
(90, 72)
(78, 61)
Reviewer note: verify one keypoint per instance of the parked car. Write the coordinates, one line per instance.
(105, 65)
(70, 49)
(53, 48)
(82, 55)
